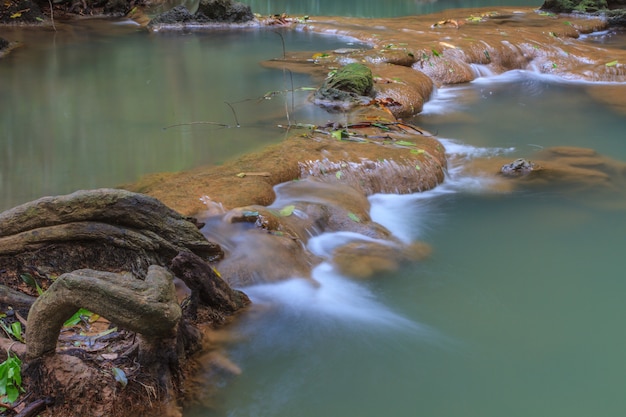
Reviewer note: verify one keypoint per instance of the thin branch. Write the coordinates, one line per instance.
(35, 407)
(234, 113)
(293, 105)
(52, 15)
(286, 102)
(197, 123)
(282, 38)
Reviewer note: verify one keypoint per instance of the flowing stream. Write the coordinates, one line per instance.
(518, 311)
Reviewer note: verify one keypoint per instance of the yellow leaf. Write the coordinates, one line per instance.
(16, 15)
(287, 211)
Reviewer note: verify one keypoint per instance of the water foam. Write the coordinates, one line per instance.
(299, 308)
(325, 244)
(443, 100)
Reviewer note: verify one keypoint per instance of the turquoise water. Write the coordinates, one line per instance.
(517, 313)
(87, 107)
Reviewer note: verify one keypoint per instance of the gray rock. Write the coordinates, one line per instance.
(517, 168)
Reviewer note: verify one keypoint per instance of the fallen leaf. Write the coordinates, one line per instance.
(287, 211)
(109, 356)
(354, 217)
(120, 376)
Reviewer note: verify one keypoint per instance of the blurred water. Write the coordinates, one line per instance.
(87, 107)
(517, 313)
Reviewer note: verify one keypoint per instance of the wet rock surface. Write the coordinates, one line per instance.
(517, 168)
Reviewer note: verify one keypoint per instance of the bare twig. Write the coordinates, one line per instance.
(52, 15)
(197, 123)
(234, 113)
(282, 38)
(293, 106)
(286, 103)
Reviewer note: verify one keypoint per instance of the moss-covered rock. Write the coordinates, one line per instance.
(345, 86)
(225, 11)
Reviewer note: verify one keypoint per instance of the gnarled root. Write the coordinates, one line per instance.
(147, 307)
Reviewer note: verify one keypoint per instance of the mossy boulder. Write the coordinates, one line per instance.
(346, 86)
(225, 11)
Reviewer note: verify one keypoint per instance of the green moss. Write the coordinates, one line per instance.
(347, 83)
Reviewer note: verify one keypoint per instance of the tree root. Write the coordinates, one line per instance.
(147, 307)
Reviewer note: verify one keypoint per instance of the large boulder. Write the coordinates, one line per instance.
(225, 11)
(613, 10)
(205, 12)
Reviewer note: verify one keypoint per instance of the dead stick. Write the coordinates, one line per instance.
(234, 114)
(196, 123)
(35, 407)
